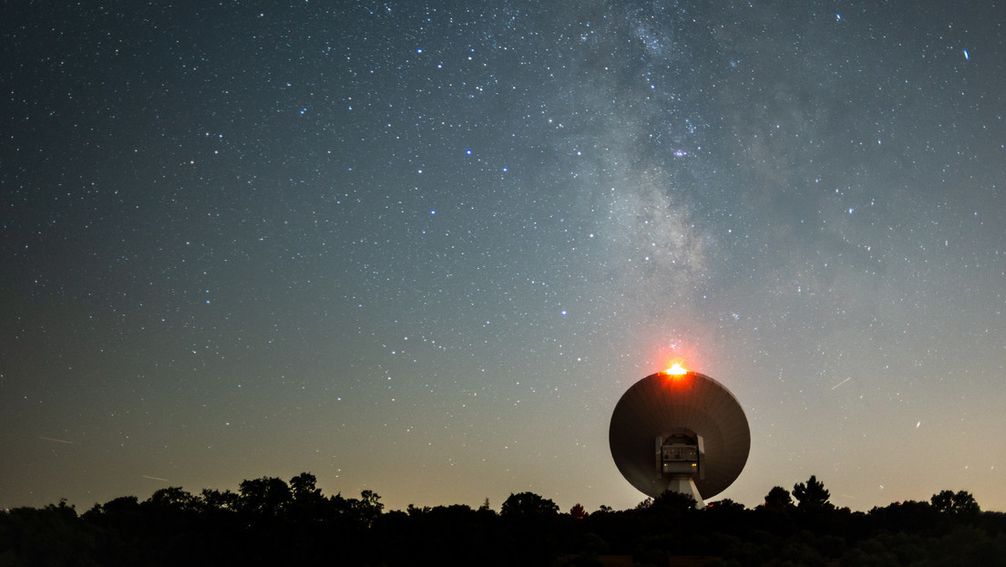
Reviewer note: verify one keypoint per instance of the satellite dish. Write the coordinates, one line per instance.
(681, 431)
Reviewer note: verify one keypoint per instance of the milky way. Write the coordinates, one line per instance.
(423, 249)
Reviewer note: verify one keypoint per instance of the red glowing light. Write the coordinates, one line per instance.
(676, 370)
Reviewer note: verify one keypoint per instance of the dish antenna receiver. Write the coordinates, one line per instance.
(680, 431)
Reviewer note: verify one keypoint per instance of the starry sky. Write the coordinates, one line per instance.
(423, 248)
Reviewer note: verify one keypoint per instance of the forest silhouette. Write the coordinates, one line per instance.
(269, 521)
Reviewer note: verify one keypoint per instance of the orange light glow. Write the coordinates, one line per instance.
(676, 370)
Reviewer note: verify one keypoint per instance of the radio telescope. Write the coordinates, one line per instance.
(680, 431)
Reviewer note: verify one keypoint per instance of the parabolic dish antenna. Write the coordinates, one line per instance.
(679, 431)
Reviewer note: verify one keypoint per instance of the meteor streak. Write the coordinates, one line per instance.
(55, 440)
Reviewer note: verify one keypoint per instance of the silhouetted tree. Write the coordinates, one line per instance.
(48, 536)
(368, 507)
(672, 503)
(725, 515)
(965, 503)
(264, 497)
(485, 507)
(812, 495)
(943, 501)
(213, 499)
(910, 515)
(303, 487)
(172, 498)
(307, 504)
(528, 505)
(778, 499)
(270, 522)
(960, 502)
(122, 505)
(726, 504)
(413, 510)
(578, 512)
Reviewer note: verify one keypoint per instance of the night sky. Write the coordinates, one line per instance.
(423, 249)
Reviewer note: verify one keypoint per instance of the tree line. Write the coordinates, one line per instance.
(269, 521)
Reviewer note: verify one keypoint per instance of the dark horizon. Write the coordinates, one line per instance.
(481, 503)
(271, 521)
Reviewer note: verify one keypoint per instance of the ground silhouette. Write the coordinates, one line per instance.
(269, 521)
